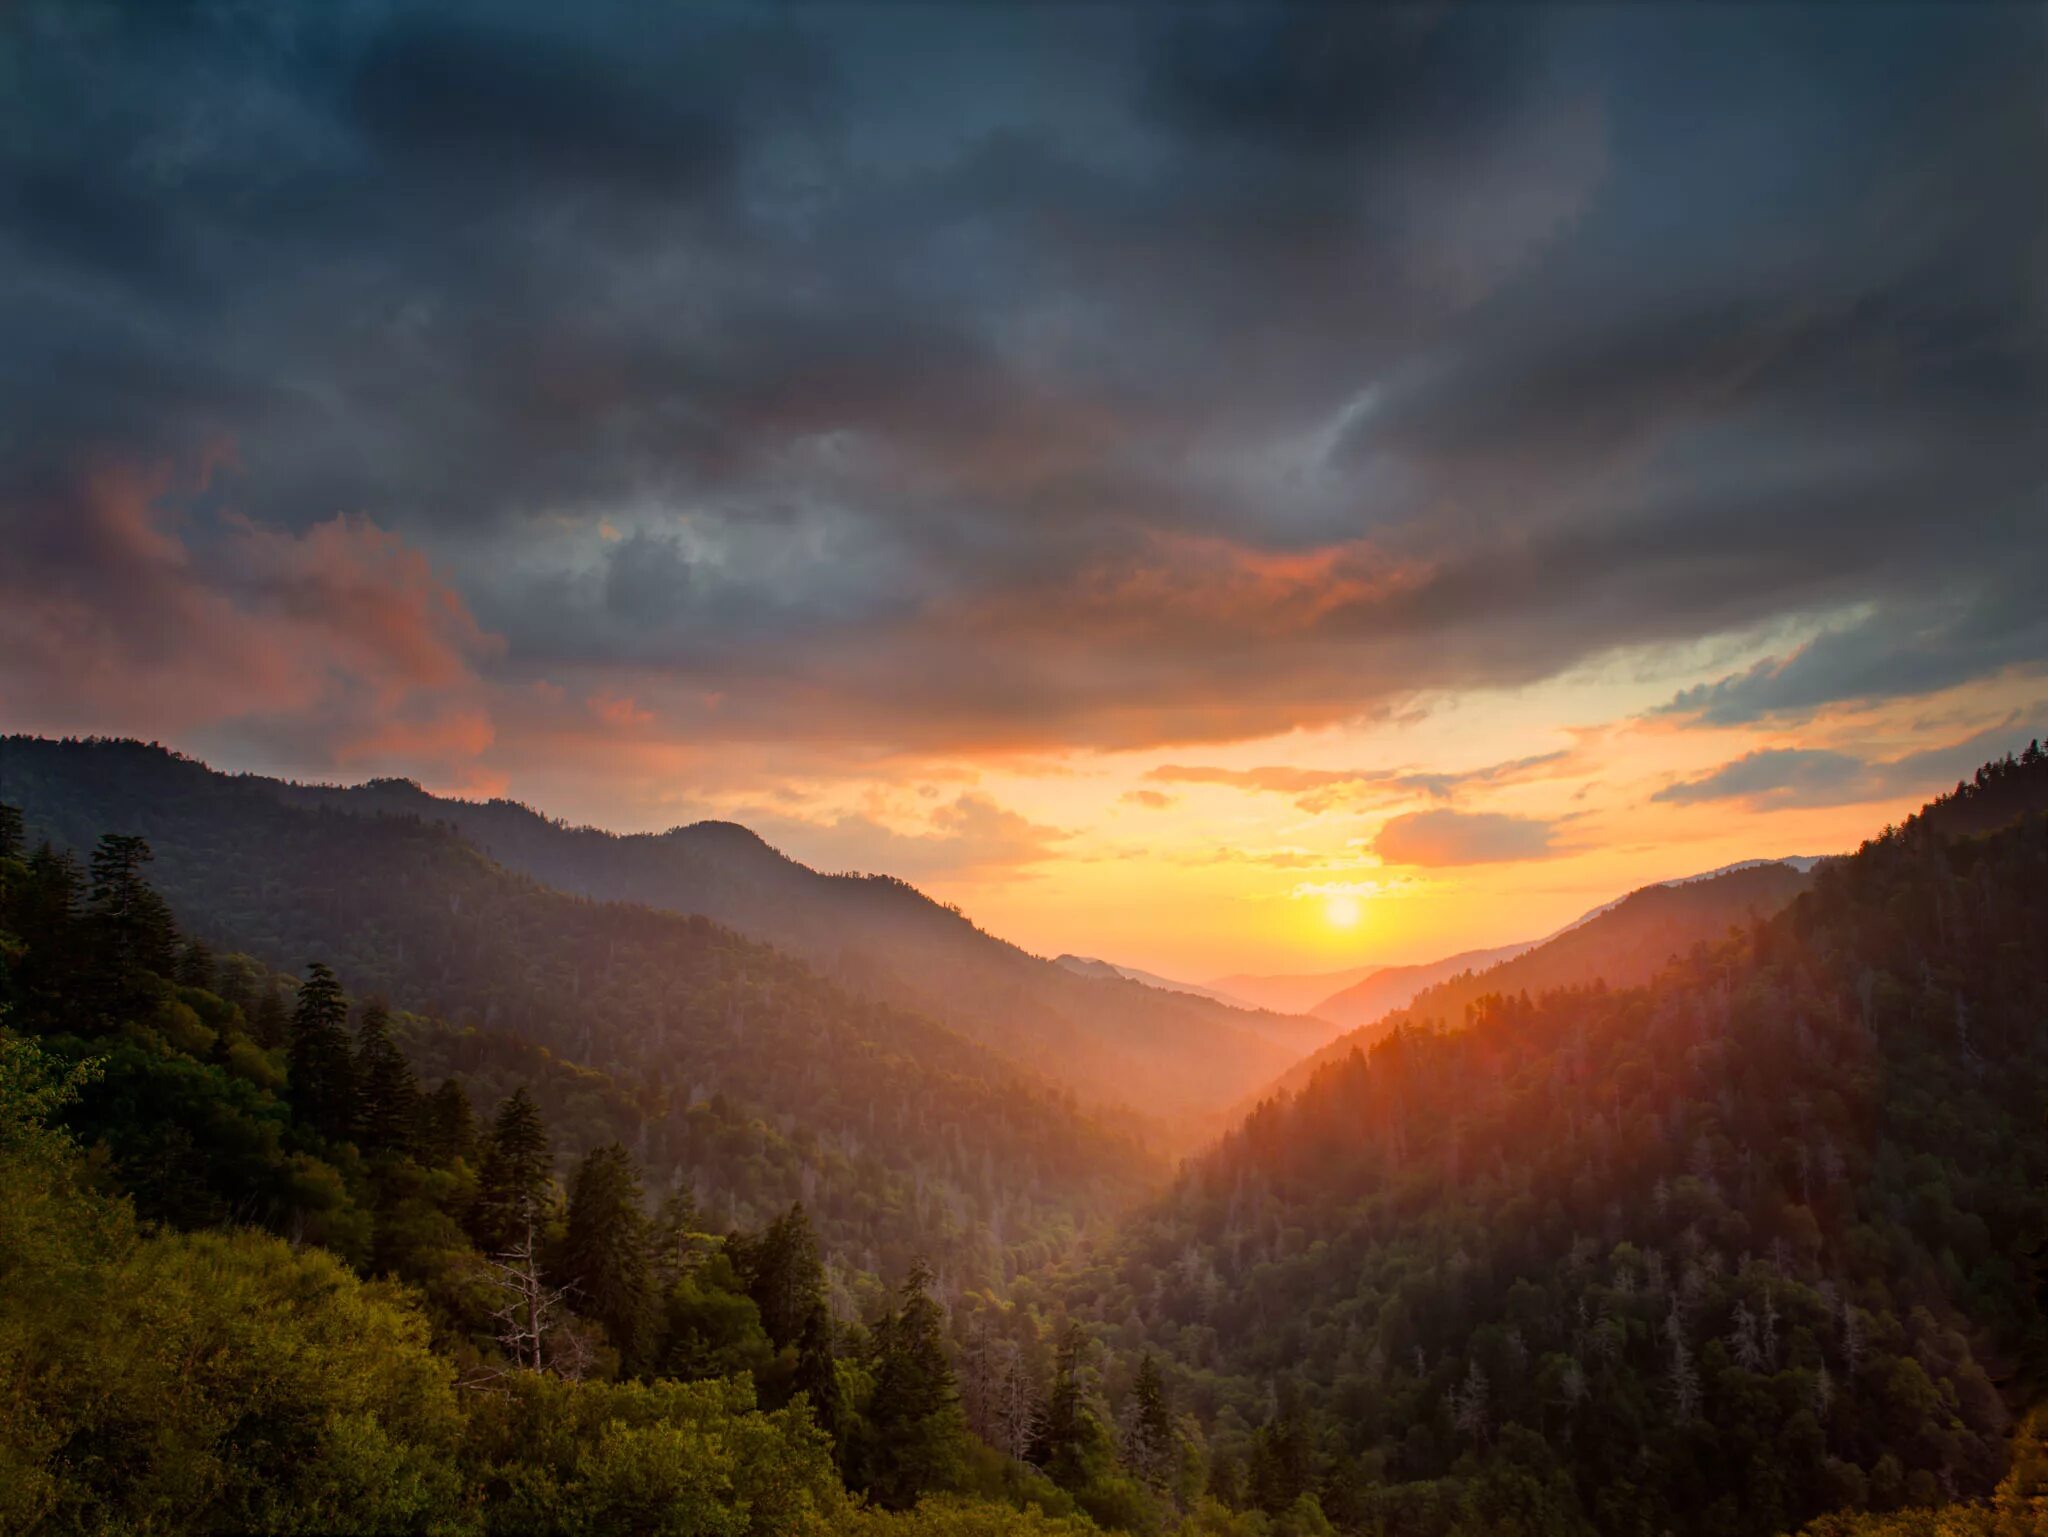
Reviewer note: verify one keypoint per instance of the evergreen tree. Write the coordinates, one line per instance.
(447, 1124)
(604, 1260)
(195, 967)
(915, 1433)
(1067, 1437)
(1150, 1444)
(673, 1243)
(1282, 1465)
(136, 923)
(784, 1276)
(512, 1185)
(387, 1095)
(323, 1088)
(270, 1025)
(13, 838)
(817, 1374)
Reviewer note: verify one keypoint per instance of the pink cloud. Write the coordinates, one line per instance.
(120, 612)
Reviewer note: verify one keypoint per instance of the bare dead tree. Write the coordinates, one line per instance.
(530, 1331)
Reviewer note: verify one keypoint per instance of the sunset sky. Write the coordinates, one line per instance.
(1217, 489)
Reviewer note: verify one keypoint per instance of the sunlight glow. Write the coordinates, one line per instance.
(1342, 911)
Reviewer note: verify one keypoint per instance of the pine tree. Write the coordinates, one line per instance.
(673, 1245)
(447, 1124)
(1068, 1439)
(817, 1374)
(512, 1185)
(604, 1260)
(1685, 1377)
(195, 966)
(139, 934)
(915, 1433)
(784, 1276)
(13, 837)
(270, 1024)
(1149, 1445)
(322, 1086)
(387, 1095)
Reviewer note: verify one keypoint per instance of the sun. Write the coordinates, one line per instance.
(1341, 911)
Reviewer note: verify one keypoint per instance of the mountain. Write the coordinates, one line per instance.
(1394, 987)
(1166, 1054)
(744, 1067)
(1757, 1238)
(1291, 993)
(1620, 945)
(1089, 966)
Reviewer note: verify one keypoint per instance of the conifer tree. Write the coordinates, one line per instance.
(784, 1276)
(1067, 1439)
(13, 837)
(270, 1025)
(915, 1431)
(447, 1124)
(195, 966)
(322, 1087)
(817, 1374)
(1149, 1445)
(512, 1185)
(673, 1242)
(604, 1260)
(135, 920)
(387, 1095)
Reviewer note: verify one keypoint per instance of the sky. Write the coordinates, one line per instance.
(1237, 488)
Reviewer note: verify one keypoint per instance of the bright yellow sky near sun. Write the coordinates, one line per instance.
(1197, 880)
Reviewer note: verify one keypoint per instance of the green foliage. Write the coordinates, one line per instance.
(667, 1457)
(603, 1258)
(1712, 1255)
(387, 1110)
(717, 1060)
(913, 1438)
(515, 1186)
(323, 1072)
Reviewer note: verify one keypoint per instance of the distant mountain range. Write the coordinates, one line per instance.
(1622, 944)
(1164, 1055)
(1358, 995)
(1089, 966)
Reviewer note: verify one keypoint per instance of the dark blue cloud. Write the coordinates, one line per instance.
(1775, 777)
(955, 371)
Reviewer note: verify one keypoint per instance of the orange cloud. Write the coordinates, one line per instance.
(619, 711)
(119, 613)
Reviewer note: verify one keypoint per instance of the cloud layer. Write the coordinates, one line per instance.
(1071, 376)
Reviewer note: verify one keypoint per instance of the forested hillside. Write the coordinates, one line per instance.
(196, 1179)
(721, 1062)
(877, 936)
(1622, 945)
(1759, 1240)
(1371, 997)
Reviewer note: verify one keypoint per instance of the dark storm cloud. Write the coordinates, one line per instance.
(1775, 777)
(1058, 375)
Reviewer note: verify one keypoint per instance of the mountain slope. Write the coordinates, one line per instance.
(1291, 993)
(1620, 945)
(1090, 966)
(903, 1135)
(1394, 987)
(882, 938)
(1758, 1239)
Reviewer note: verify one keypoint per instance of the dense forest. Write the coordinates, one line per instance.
(1621, 945)
(721, 1062)
(351, 1182)
(260, 1272)
(1759, 1240)
(883, 939)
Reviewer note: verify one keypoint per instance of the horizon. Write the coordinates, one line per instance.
(1259, 491)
